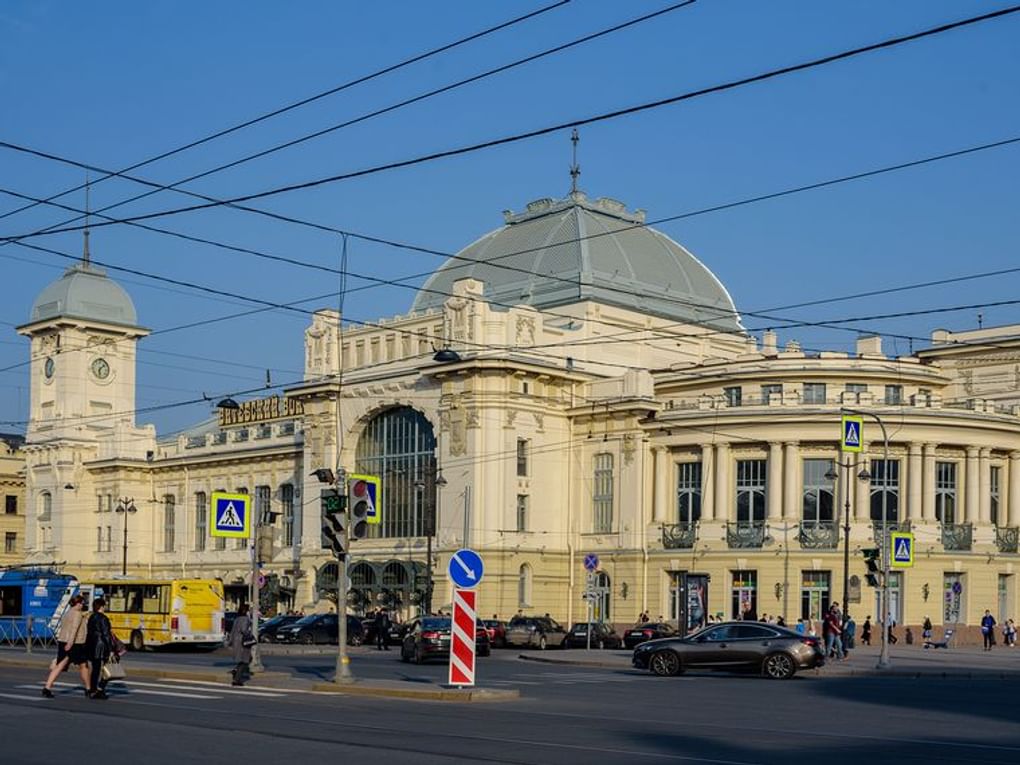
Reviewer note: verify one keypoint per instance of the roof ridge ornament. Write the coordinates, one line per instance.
(575, 169)
(85, 255)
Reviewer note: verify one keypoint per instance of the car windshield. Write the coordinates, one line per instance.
(308, 619)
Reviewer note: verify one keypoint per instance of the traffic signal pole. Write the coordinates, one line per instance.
(343, 661)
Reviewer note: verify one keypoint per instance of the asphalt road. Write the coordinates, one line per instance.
(566, 715)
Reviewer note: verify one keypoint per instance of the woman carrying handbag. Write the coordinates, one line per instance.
(98, 645)
(241, 641)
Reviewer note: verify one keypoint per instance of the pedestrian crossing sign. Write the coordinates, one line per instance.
(902, 549)
(852, 433)
(230, 515)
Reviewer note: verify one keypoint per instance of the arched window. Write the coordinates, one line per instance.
(524, 586)
(44, 529)
(45, 507)
(169, 522)
(399, 446)
(362, 575)
(603, 596)
(394, 575)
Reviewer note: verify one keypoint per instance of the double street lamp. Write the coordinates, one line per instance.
(125, 505)
(436, 481)
(831, 475)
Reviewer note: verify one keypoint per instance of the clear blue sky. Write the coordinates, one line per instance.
(117, 82)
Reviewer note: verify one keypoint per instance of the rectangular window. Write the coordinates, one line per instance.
(893, 395)
(169, 522)
(263, 501)
(287, 507)
(11, 504)
(522, 512)
(99, 503)
(814, 393)
(856, 388)
(817, 505)
(751, 486)
(10, 542)
(241, 543)
(109, 538)
(885, 490)
(99, 538)
(952, 598)
(602, 517)
(815, 595)
(688, 492)
(993, 488)
(945, 492)
(201, 520)
(221, 542)
(770, 390)
(744, 595)
(895, 597)
(522, 457)
(733, 395)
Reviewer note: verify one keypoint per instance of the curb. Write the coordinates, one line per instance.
(574, 662)
(462, 695)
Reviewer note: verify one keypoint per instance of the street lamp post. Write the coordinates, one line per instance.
(863, 475)
(431, 508)
(125, 505)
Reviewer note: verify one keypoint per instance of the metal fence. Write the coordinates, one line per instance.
(26, 632)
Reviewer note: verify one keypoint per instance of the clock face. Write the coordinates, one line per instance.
(49, 367)
(101, 368)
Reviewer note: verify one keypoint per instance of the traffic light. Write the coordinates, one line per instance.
(871, 561)
(363, 491)
(331, 503)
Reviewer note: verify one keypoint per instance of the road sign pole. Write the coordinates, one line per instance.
(343, 661)
(256, 600)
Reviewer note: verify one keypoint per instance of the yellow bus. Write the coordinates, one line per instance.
(158, 612)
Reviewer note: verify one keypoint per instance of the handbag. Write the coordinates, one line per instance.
(248, 640)
(113, 670)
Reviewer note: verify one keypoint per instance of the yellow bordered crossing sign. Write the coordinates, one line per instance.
(230, 515)
(852, 433)
(902, 549)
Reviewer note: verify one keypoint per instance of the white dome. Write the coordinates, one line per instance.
(85, 292)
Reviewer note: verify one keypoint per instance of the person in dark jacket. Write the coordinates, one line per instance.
(242, 653)
(382, 630)
(98, 646)
(988, 629)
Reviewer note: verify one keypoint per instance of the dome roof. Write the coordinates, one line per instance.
(561, 252)
(85, 292)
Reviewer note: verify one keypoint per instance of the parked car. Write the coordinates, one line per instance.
(635, 636)
(428, 637)
(268, 629)
(496, 630)
(536, 631)
(320, 628)
(602, 636)
(775, 652)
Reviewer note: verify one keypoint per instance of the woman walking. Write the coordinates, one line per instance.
(98, 646)
(239, 635)
(70, 645)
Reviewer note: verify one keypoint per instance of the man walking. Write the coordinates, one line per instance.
(988, 629)
(382, 630)
(834, 633)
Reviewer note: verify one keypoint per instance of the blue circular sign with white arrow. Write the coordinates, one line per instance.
(466, 568)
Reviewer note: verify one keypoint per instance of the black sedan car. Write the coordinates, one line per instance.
(268, 629)
(602, 636)
(428, 637)
(775, 652)
(320, 628)
(642, 633)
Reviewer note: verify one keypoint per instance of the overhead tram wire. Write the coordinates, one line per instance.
(580, 122)
(175, 186)
(308, 100)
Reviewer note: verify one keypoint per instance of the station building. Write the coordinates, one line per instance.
(572, 382)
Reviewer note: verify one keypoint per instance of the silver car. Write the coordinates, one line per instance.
(535, 631)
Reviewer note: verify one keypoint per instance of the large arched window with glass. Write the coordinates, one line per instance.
(399, 446)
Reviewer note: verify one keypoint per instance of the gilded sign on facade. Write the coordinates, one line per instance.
(262, 410)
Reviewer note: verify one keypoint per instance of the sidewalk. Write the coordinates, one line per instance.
(283, 680)
(904, 661)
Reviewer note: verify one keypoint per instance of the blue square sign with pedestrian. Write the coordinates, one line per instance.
(230, 515)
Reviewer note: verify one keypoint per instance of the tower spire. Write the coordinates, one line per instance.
(575, 169)
(85, 255)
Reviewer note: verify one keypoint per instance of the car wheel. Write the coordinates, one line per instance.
(419, 657)
(404, 656)
(137, 641)
(541, 643)
(307, 638)
(778, 666)
(665, 664)
(565, 645)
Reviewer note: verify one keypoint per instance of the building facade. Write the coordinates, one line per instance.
(12, 487)
(595, 392)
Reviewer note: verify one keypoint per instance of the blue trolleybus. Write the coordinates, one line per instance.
(32, 598)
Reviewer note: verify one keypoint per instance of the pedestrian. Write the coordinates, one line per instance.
(382, 630)
(926, 629)
(241, 641)
(70, 645)
(749, 615)
(893, 640)
(1009, 633)
(988, 629)
(833, 629)
(800, 629)
(780, 621)
(866, 632)
(849, 634)
(98, 646)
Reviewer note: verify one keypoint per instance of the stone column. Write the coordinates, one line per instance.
(659, 501)
(972, 489)
(1014, 490)
(722, 482)
(860, 490)
(984, 487)
(774, 490)
(708, 511)
(792, 483)
(914, 483)
(928, 487)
